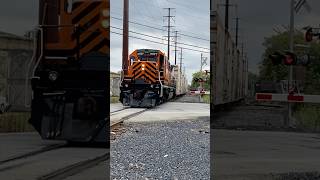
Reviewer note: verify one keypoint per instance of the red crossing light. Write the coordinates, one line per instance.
(290, 59)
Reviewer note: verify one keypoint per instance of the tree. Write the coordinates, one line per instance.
(200, 75)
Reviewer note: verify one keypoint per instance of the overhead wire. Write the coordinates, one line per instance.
(160, 42)
(155, 37)
(152, 27)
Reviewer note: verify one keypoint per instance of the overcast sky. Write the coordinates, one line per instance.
(258, 18)
(190, 19)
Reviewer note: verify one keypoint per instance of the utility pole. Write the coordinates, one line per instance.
(125, 36)
(175, 47)
(181, 59)
(291, 44)
(237, 31)
(237, 25)
(180, 68)
(201, 62)
(226, 20)
(168, 28)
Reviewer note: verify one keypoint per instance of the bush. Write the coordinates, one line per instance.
(308, 117)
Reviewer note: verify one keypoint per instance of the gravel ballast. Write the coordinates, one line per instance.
(162, 150)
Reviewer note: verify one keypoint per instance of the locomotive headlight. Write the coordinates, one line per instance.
(142, 69)
(143, 65)
(105, 23)
(53, 76)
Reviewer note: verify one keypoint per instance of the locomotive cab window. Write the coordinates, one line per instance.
(71, 5)
(68, 6)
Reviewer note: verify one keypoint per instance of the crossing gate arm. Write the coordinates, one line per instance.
(298, 98)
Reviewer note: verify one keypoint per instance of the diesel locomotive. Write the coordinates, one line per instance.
(149, 79)
(69, 70)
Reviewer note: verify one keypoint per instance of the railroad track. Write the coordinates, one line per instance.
(74, 168)
(33, 153)
(83, 165)
(119, 120)
(20, 163)
(113, 112)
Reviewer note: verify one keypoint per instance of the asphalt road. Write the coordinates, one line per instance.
(270, 153)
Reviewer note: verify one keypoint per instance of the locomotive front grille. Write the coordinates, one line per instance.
(144, 70)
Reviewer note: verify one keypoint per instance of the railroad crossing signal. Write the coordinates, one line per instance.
(310, 33)
(287, 59)
(199, 80)
(276, 58)
(290, 59)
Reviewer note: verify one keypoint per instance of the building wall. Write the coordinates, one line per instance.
(15, 54)
(114, 84)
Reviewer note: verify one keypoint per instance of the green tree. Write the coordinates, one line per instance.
(280, 42)
(202, 75)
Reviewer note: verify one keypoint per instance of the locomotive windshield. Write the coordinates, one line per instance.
(145, 55)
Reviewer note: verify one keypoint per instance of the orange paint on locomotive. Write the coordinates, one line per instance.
(148, 67)
(75, 28)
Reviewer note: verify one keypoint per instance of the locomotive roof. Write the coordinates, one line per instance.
(150, 50)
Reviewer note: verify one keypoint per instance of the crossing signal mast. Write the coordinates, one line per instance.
(290, 58)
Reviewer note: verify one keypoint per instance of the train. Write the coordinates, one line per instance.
(69, 71)
(150, 79)
(229, 66)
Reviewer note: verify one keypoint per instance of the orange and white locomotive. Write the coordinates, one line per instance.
(148, 80)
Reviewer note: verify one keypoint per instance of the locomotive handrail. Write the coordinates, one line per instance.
(29, 65)
(161, 88)
(121, 77)
(41, 52)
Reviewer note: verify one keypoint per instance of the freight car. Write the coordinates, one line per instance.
(228, 66)
(69, 69)
(150, 79)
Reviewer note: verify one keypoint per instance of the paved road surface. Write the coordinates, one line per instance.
(247, 154)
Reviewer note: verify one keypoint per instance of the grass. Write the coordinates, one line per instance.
(114, 99)
(308, 117)
(15, 122)
(206, 98)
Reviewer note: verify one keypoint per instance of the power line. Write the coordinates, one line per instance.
(152, 27)
(132, 22)
(160, 43)
(194, 37)
(155, 37)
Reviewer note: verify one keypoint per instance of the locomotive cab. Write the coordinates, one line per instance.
(148, 79)
(69, 72)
